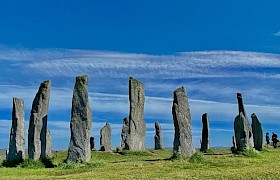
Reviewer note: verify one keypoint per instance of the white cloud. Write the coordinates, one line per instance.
(276, 34)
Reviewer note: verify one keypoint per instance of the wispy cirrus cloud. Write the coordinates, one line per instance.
(211, 79)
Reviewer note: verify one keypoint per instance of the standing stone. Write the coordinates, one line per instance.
(242, 128)
(92, 144)
(16, 146)
(205, 133)
(135, 139)
(80, 125)
(38, 133)
(158, 136)
(257, 132)
(105, 138)
(124, 134)
(182, 144)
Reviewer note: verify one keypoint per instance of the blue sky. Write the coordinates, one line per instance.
(214, 49)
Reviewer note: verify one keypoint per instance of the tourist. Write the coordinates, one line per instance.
(267, 139)
(274, 140)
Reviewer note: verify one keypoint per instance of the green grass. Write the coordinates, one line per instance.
(155, 164)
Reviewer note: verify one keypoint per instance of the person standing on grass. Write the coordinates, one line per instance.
(267, 139)
(274, 140)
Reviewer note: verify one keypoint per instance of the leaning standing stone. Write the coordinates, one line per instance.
(38, 131)
(80, 125)
(16, 146)
(182, 144)
(105, 138)
(205, 133)
(257, 132)
(158, 136)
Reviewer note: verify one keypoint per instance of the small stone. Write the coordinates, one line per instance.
(257, 132)
(105, 138)
(182, 144)
(16, 146)
(124, 134)
(158, 136)
(205, 133)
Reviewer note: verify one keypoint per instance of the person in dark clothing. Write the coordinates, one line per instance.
(267, 139)
(274, 140)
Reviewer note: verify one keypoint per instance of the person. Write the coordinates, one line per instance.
(274, 140)
(267, 138)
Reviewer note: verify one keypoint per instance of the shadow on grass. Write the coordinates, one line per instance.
(29, 163)
(48, 163)
(12, 163)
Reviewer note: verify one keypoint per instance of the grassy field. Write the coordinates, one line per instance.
(151, 164)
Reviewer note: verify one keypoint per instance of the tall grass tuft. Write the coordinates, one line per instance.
(89, 165)
(197, 158)
(252, 153)
(32, 164)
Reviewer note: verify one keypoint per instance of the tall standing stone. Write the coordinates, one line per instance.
(158, 136)
(81, 122)
(205, 133)
(38, 133)
(242, 128)
(135, 139)
(16, 146)
(257, 132)
(182, 144)
(105, 138)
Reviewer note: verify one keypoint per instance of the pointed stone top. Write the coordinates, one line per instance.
(83, 79)
(240, 104)
(157, 124)
(253, 115)
(239, 95)
(45, 84)
(17, 99)
(133, 80)
(179, 94)
(180, 89)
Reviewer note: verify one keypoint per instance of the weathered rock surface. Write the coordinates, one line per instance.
(233, 142)
(124, 134)
(38, 133)
(205, 133)
(242, 129)
(105, 138)
(135, 139)
(16, 146)
(92, 144)
(81, 121)
(257, 132)
(158, 136)
(182, 144)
